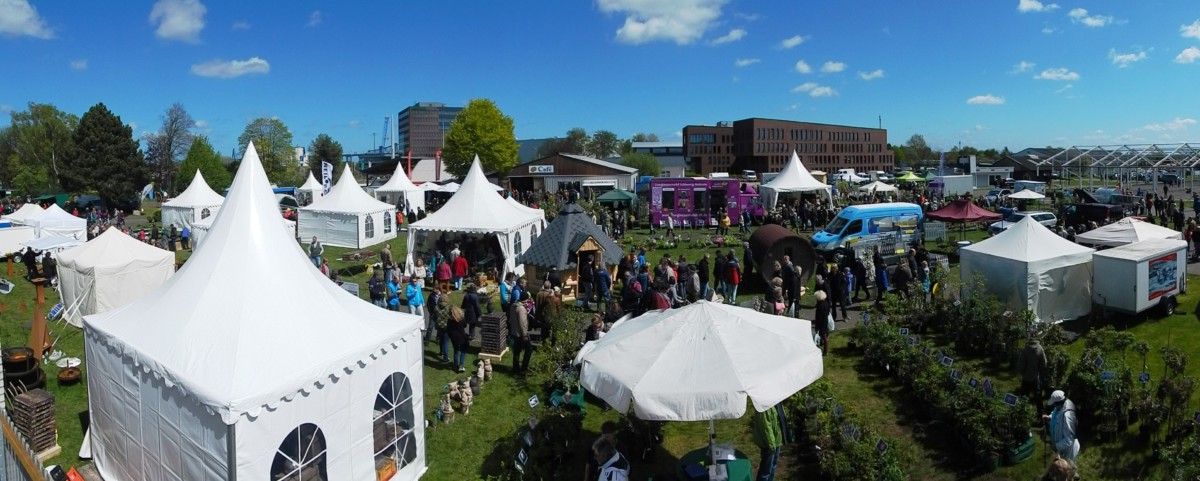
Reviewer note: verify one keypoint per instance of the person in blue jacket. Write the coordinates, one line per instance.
(393, 295)
(416, 302)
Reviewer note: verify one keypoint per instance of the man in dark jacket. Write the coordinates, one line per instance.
(702, 271)
(747, 259)
(30, 261)
(859, 269)
(903, 277)
(718, 273)
(603, 284)
(587, 275)
(833, 285)
(788, 275)
(471, 310)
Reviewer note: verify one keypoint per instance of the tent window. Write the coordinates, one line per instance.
(532, 234)
(395, 444)
(517, 242)
(387, 222)
(369, 227)
(301, 456)
(204, 213)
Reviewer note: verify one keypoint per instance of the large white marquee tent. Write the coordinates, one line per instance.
(108, 272)
(56, 222)
(400, 186)
(793, 178)
(196, 202)
(1125, 231)
(250, 364)
(348, 217)
(201, 227)
(476, 209)
(1029, 267)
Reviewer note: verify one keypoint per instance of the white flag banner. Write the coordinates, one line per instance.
(326, 177)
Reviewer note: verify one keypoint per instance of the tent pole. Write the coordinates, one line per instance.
(231, 449)
(712, 442)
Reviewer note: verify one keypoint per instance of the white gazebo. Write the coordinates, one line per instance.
(793, 178)
(476, 210)
(251, 364)
(348, 217)
(878, 186)
(56, 222)
(108, 272)
(310, 191)
(196, 202)
(1029, 267)
(25, 214)
(1123, 232)
(399, 186)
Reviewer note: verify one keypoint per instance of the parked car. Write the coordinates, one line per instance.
(1044, 218)
(996, 195)
(1169, 179)
(1101, 214)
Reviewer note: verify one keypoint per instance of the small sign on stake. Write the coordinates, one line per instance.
(973, 382)
(1144, 377)
(1107, 375)
(947, 361)
(956, 375)
(1010, 399)
(928, 351)
(1098, 362)
(533, 401)
(987, 387)
(881, 446)
(912, 340)
(903, 331)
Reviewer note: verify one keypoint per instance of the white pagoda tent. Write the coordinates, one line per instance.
(56, 222)
(793, 178)
(310, 191)
(399, 186)
(1123, 232)
(476, 210)
(25, 214)
(251, 364)
(108, 272)
(1029, 267)
(196, 202)
(348, 216)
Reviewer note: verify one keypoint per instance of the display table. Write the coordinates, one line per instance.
(739, 469)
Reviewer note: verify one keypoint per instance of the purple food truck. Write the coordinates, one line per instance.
(697, 201)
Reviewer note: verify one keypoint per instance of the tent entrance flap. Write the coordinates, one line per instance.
(484, 252)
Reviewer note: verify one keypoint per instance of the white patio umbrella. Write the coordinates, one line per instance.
(1026, 195)
(878, 186)
(700, 363)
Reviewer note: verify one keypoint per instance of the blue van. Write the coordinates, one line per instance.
(860, 222)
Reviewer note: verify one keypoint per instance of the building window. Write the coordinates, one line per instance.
(394, 421)
(369, 227)
(387, 222)
(301, 456)
(204, 213)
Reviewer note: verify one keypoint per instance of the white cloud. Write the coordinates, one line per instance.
(134, 126)
(745, 62)
(1065, 88)
(314, 19)
(792, 41)
(1057, 74)
(1025, 6)
(1022, 66)
(354, 124)
(872, 75)
(1188, 55)
(679, 21)
(792, 107)
(1080, 15)
(1048, 30)
(1172, 126)
(1192, 30)
(178, 19)
(5, 108)
(815, 90)
(241, 25)
(988, 99)
(80, 64)
(19, 18)
(805, 87)
(203, 127)
(678, 134)
(232, 68)
(733, 36)
(802, 67)
(1126, 60)
(833, 67)
(749, 17)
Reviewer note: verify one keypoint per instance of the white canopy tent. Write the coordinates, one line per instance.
(1026, 194)
(310, 191)
(201, 227)
(400, 186)
(1123, 232)
(1029, 267)
(53, 244)
(793, 178)
(56, 222)
(878, 186)
(196, 202)
(251, 364)
(25, 214)
(348, 216)
(108, 272)
(476, 209)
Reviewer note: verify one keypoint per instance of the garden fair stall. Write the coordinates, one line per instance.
(476, 214)
(792, 179)
(52, 244)
(250, 364)
(1029, 267)
(566, 241)
(348, 217)
(310, 191)
(618, 199)
(108, 272)
(201, 227)
(1123, 232)
(400, 191)
(24, 215)
(196, 202)
(700, 363)
(878, 186)
(56, 222)
(962, 212)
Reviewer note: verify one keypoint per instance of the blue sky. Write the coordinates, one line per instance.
(996, 73)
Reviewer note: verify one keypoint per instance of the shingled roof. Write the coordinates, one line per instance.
(563, 236)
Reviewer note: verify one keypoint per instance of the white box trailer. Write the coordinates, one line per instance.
(956, 185)
(1136, 277)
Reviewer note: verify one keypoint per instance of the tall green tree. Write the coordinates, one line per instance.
(574, 143)
(644, 137)
(481, 129)
(42, 139)
(645, 163)
(165, 148)
(203, 157)
(107, 158)
(918, 150)
(603, 144)
(273, 141)
(324, 149)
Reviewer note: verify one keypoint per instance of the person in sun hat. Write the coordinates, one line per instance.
(1063, 425)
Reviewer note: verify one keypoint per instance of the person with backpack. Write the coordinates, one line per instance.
(1063, 426)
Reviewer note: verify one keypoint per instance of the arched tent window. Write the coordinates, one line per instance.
(532, 234)
(369, 227)
(395, 440)
(204, 213)
(517, 243)
(301, 456)
(387, 222)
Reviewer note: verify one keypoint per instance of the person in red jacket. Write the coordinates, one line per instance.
(443, 274)
(460, 268)
(733, 277)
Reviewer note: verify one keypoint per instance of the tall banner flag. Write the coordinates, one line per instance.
(326, 177)
(942, 164)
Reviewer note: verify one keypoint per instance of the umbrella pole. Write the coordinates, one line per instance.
(712, 442)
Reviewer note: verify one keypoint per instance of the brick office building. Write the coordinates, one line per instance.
(422, 128)
(765, 145)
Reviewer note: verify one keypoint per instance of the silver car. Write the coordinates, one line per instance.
(1044, 218)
